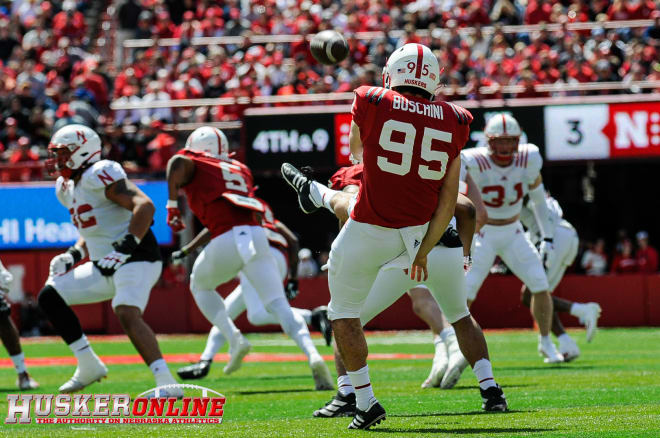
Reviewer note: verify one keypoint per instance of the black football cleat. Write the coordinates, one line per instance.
(195, 371)
(365, 419)
(339, 406)
(321, 323)
(494, 399)
(300, 183)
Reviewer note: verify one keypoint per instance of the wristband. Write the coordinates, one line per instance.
(78, 253)
(172, 203)
(127, 245)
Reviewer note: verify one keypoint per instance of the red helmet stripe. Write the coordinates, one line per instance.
(420, 59)
(503, 124)
(217, 134)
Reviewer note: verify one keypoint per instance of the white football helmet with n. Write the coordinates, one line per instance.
(412, 65)
(208, 139)
(503, 134)
(73, 147)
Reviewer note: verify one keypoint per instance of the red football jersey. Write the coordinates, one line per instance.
(219, 193)
(409, 143)
(275, 238)
(346, 176)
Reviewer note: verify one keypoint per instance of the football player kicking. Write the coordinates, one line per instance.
(9, 334)
(448, 361)
(219, 190)
(114, 218)
(410, 149)
(284, 247)
(565, 244)
(391, 285)
(505, 172)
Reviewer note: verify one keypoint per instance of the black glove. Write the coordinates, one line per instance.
(120, 255)
(291, 289)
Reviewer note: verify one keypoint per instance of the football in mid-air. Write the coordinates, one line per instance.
(329, 47)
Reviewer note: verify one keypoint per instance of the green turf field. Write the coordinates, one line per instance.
(612, 390)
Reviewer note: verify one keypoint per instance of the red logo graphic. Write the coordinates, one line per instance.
(81, 137)
(633, 129)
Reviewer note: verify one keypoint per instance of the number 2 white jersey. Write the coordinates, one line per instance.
(99, 220)
(502, 188)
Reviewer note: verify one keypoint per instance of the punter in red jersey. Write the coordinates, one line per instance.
(219, 192)
(410, 149)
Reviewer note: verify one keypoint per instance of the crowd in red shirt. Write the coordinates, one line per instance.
(627, 260)
(53, 69)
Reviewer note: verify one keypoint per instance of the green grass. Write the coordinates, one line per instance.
(612, 390)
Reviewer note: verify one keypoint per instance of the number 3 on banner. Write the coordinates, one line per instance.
(405, 148)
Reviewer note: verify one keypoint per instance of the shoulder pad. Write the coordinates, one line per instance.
(529, 157)
(475, 158)
(103, 173)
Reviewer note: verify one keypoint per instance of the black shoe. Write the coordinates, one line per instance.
(195, 371)
(494, 399)
(365, 419)
(300, 184)
(321, 323)
(339, 406)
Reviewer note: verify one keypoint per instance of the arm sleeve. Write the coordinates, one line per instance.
(63, 189)
(534, 162)
(541, 211)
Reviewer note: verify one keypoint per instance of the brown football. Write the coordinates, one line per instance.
(329, 47)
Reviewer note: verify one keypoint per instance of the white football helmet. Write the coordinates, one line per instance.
(503, 134)
(208, 139)
(73, 147)
(412, 65)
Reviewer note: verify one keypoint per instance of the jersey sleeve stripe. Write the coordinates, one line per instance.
(381, 96)
(371, 90)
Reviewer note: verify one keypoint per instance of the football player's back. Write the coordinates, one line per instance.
(408, 142)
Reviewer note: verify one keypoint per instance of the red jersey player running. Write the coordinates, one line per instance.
(410, 149)
(219, 191)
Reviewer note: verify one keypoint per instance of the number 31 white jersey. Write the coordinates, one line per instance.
(502, 188)
(99, 220)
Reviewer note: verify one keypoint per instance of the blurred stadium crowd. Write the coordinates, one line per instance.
(63, 61)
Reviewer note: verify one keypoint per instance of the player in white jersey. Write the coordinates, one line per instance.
(505, 172)
(565, 244)
(113, 217)
(390, 285)
(9, 334)
(245, 297)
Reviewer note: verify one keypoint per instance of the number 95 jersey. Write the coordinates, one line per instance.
(408, 144)
(502, 188)
(99, 220)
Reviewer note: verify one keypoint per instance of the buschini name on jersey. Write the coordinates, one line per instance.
(428, 110)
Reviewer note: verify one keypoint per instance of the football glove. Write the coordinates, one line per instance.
(467, 263)
(61, 263)
(5, 279)
(546, 252)
(122, 252)
(174, 217)
(291, 289)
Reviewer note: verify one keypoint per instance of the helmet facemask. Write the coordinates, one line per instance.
(503, 148)
(59, 160)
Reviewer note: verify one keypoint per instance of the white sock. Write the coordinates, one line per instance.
(306, 314)
(576, 310)
(161, 373)
(484, 372)
(344, 385)
(213, 308)
(364, 393)
(19, 362)
(81, 348)
(321, 195)
(294, 325)
(545, 340)
(446, 332)
(564, 338)
(214, 342)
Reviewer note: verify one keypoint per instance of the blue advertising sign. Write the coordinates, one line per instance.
(31, 216)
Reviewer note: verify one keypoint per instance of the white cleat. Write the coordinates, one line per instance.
(168, 392)
(26, 383)
(568, 348)
(457, 365)
(92, 370)
(238, 350)
(550, 352)
(590, 314)
(439, 367)
(322, 378)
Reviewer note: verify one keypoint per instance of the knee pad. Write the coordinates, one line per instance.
(59, 313)
(49, 298)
